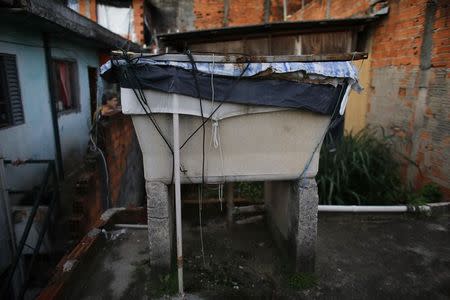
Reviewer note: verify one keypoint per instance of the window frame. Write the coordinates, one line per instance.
(75, 85)
(4, 78)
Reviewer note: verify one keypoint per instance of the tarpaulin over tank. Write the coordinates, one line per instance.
(319, 98)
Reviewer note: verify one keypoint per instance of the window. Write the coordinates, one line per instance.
(11, 110)
(65, 85)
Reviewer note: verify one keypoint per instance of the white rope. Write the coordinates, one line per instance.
(94, 148)
(215, 135)
(200, 194)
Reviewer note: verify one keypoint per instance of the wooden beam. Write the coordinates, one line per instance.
(231, 58)
(250, 220)
(249, 209)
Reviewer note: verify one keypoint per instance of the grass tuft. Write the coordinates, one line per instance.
(302, 281)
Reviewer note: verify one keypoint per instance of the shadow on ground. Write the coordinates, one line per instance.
(369, 257)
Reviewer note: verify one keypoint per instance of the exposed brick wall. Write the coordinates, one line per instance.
(119, 143)
(93, 10)
(276, 9)
(138, 14)
(433, 154)
(397, 39)
(246, 12)
(420, 110)
(407, 96)
(318, 9)
(88, 9)
(345, 8)
(313, 10)
(441, 37)
(119, 140)
(208, 14)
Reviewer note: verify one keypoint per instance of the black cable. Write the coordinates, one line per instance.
(214, 111)
(193, 53)
(142, 99)
(197, 87)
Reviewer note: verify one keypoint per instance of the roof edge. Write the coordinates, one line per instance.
(294, 26)
(59, 14)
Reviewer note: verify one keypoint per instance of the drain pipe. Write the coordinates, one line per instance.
(373, 208)
(54, 113)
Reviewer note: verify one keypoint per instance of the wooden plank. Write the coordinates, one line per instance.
(257, 59)
(249, 209)
(250, 220)
(329, 42)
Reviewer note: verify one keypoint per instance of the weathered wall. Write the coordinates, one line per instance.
(325, 9)
(221, 13)
(208, 14)
(124, 159)
(125, 170)
(74, 126)
(409, 82)
(34, 139)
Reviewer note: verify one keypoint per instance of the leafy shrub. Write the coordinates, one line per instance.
(252, 191)
(363, 169)
(431, 192)
(428, 193)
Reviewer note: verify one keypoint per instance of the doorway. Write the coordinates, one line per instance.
(92, 74)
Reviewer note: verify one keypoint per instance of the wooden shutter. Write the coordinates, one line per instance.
(12, 90)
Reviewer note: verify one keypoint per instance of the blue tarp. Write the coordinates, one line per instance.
(178, 77)
(339, 69)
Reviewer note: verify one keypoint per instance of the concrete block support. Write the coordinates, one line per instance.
(305, 233)
(292, 208)
(160, 225)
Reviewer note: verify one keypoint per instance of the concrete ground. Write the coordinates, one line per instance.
(368, 257)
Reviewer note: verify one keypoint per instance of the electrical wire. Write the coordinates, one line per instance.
(202, 126)
(200, 199)
(144, 103)
(331, 124)
(218, 106)
(94, 148)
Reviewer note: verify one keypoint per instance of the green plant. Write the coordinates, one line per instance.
(431, 192)
(168, 284)
(363, 169)
(428, 193)
(302, 281)
(252, 191)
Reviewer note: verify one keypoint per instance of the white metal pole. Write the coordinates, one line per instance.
(176, 157)
(285, 10)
